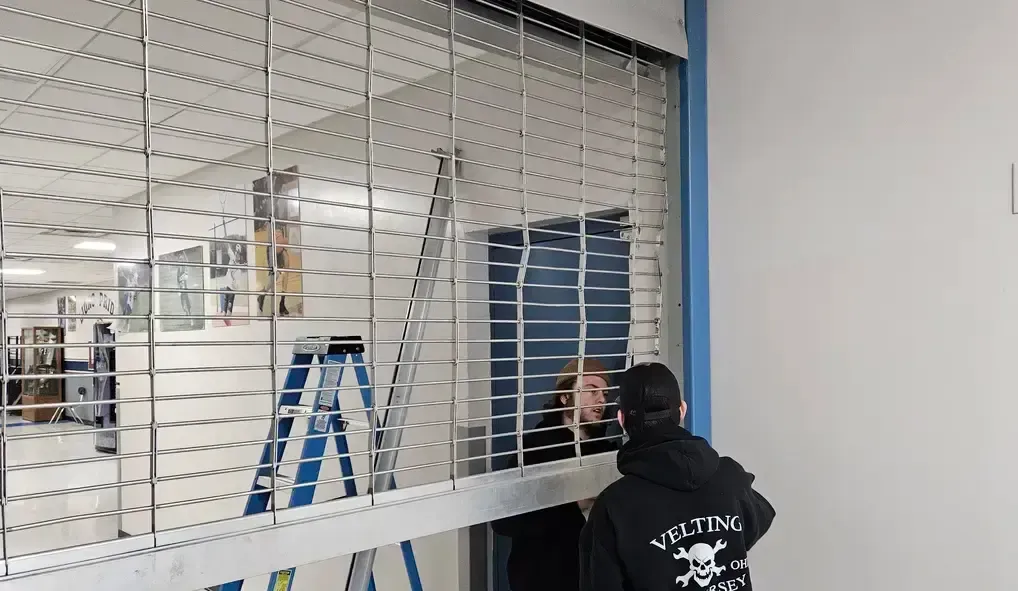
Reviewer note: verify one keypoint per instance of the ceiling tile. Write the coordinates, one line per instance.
(89, 13)
(30, 206)
(60, 95)
(28, 59)
(37, 30)
(26, 179)
(38, 151)
(122, 77)
(83, 185)
(212, 123)
(38, 121)
(212, 16)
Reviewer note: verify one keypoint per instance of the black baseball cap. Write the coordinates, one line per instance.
(649, 397)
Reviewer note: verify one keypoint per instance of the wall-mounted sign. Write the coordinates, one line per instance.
(99, 304)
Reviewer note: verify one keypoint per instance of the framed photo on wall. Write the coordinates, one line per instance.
(188, 278)
(285, 195)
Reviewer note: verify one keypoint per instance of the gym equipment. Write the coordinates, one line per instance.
(331, 354)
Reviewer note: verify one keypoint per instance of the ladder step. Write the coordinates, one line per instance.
(266, 481)
(306, 410)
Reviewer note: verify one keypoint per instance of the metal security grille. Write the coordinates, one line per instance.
(210, 181)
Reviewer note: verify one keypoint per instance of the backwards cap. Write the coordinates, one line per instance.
(649, 396)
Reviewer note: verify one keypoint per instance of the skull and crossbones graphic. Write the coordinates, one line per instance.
(702, 567)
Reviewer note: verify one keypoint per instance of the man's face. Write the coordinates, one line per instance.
(590, 397)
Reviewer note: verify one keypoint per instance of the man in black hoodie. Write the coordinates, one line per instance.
(681, 517)
(545, 551)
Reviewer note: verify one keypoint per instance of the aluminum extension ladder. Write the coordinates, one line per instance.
(332, 354)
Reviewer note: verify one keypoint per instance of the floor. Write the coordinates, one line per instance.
(51, 519)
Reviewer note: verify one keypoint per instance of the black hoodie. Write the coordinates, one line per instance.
(681, 517)
(545, 552)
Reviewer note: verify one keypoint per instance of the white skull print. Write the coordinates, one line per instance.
(702, 565)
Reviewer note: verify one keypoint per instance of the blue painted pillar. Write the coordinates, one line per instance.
(695, 243)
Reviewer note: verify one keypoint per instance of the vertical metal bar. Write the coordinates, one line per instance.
(582, 279)
(692, 131)
(4, 484)
(525, 256)
(634, 207)
(672, 277)
(360, 578)
(661, 257)
(454, 165)
(274, 272)
(372, 262)
(150, 239)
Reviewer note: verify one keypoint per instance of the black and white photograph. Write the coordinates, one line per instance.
(67, 305)
(134, 300)
(229, 279)
(188, 303)
(288, 261)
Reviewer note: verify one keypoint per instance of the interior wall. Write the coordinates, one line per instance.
(862, 285)
(490, 194)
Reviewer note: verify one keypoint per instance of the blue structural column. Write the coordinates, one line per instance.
(695, 255)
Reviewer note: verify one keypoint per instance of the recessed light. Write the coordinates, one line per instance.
(17, 271)
(96, 245)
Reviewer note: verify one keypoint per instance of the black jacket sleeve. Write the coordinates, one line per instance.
(600, 566)
(757, 513)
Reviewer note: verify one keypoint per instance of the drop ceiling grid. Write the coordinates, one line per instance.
(128, 134)
(116, 76)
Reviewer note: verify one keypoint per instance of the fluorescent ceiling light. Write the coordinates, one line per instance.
(96, 245)
(16, 271)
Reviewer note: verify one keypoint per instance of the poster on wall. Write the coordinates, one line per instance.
(72, 308)
(67, 305)
(229, 279)
(288, 279)
(133, 299)
(188, 305)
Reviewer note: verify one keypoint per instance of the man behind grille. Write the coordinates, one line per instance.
(544, 554)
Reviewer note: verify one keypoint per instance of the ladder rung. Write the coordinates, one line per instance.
(266, 481)
(306, 410)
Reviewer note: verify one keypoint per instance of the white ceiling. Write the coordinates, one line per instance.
(107, 123)
(43, 113)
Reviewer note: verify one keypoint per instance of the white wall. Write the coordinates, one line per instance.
(863, 282)
(336, 204)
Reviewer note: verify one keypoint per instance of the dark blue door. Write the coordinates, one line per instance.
(551, 317)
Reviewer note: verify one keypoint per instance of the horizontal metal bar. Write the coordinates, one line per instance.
(202, 27)
(70, 52)
(404, 15)
(235, 9)
(201, 563)
(69, 23)
(76, 490)
(75, 461)
(73, 518)
(69, 82)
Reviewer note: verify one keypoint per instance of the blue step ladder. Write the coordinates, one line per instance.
(331, 354)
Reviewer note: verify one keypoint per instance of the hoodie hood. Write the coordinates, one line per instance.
(673, 458)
